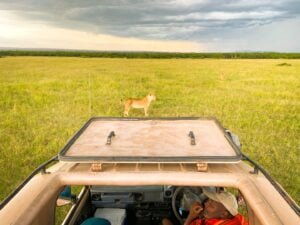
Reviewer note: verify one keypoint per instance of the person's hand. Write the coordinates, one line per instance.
(195, 211)
(196, 208)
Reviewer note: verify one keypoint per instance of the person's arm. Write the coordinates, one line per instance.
(195, 211)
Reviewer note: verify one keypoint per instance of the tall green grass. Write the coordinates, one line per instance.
(44, 100)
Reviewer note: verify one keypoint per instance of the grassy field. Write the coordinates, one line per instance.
(44, 100)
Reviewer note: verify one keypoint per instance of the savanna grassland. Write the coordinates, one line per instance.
(45, 100)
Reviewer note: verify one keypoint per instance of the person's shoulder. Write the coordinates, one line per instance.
(241, 219)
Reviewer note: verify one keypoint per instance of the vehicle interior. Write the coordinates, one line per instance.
(137, 205)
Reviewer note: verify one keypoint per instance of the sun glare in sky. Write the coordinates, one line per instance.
(28, 34)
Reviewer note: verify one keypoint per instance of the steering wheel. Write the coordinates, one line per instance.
(180, 191)
(175, 209)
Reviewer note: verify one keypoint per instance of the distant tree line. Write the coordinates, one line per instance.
(151, 55)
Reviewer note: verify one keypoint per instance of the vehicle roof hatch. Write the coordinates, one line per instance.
(153, 140)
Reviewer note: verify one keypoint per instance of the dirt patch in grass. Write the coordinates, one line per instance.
(284, 64)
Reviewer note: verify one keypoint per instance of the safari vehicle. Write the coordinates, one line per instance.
(137, 171)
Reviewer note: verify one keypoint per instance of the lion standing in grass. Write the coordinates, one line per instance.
(143, 103)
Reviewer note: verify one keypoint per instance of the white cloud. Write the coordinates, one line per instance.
(188, 2)
(27, 34)
(147, 24)
(226, 15)
(270, 37)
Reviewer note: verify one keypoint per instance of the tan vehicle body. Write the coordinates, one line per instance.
(35, 203)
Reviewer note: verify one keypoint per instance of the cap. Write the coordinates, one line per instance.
(226, 198)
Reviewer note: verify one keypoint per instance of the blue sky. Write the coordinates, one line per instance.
(132, 25)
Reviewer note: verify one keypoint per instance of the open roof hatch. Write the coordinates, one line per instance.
(153, 140)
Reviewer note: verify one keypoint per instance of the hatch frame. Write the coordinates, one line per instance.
(149, 159)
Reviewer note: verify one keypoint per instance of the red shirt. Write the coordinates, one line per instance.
(237, 220)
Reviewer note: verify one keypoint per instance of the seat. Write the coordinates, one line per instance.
(114, 215)
(96, 221)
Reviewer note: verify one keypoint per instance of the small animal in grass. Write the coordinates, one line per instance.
(222, 76)
(143, 103)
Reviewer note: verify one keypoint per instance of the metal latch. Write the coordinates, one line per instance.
(192, 136)
(109, 137)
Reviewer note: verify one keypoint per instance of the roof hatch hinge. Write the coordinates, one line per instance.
(96, 167)
(202, 167)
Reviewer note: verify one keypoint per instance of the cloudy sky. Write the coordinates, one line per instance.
(152, 25)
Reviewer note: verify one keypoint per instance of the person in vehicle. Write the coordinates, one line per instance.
(220, 209)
